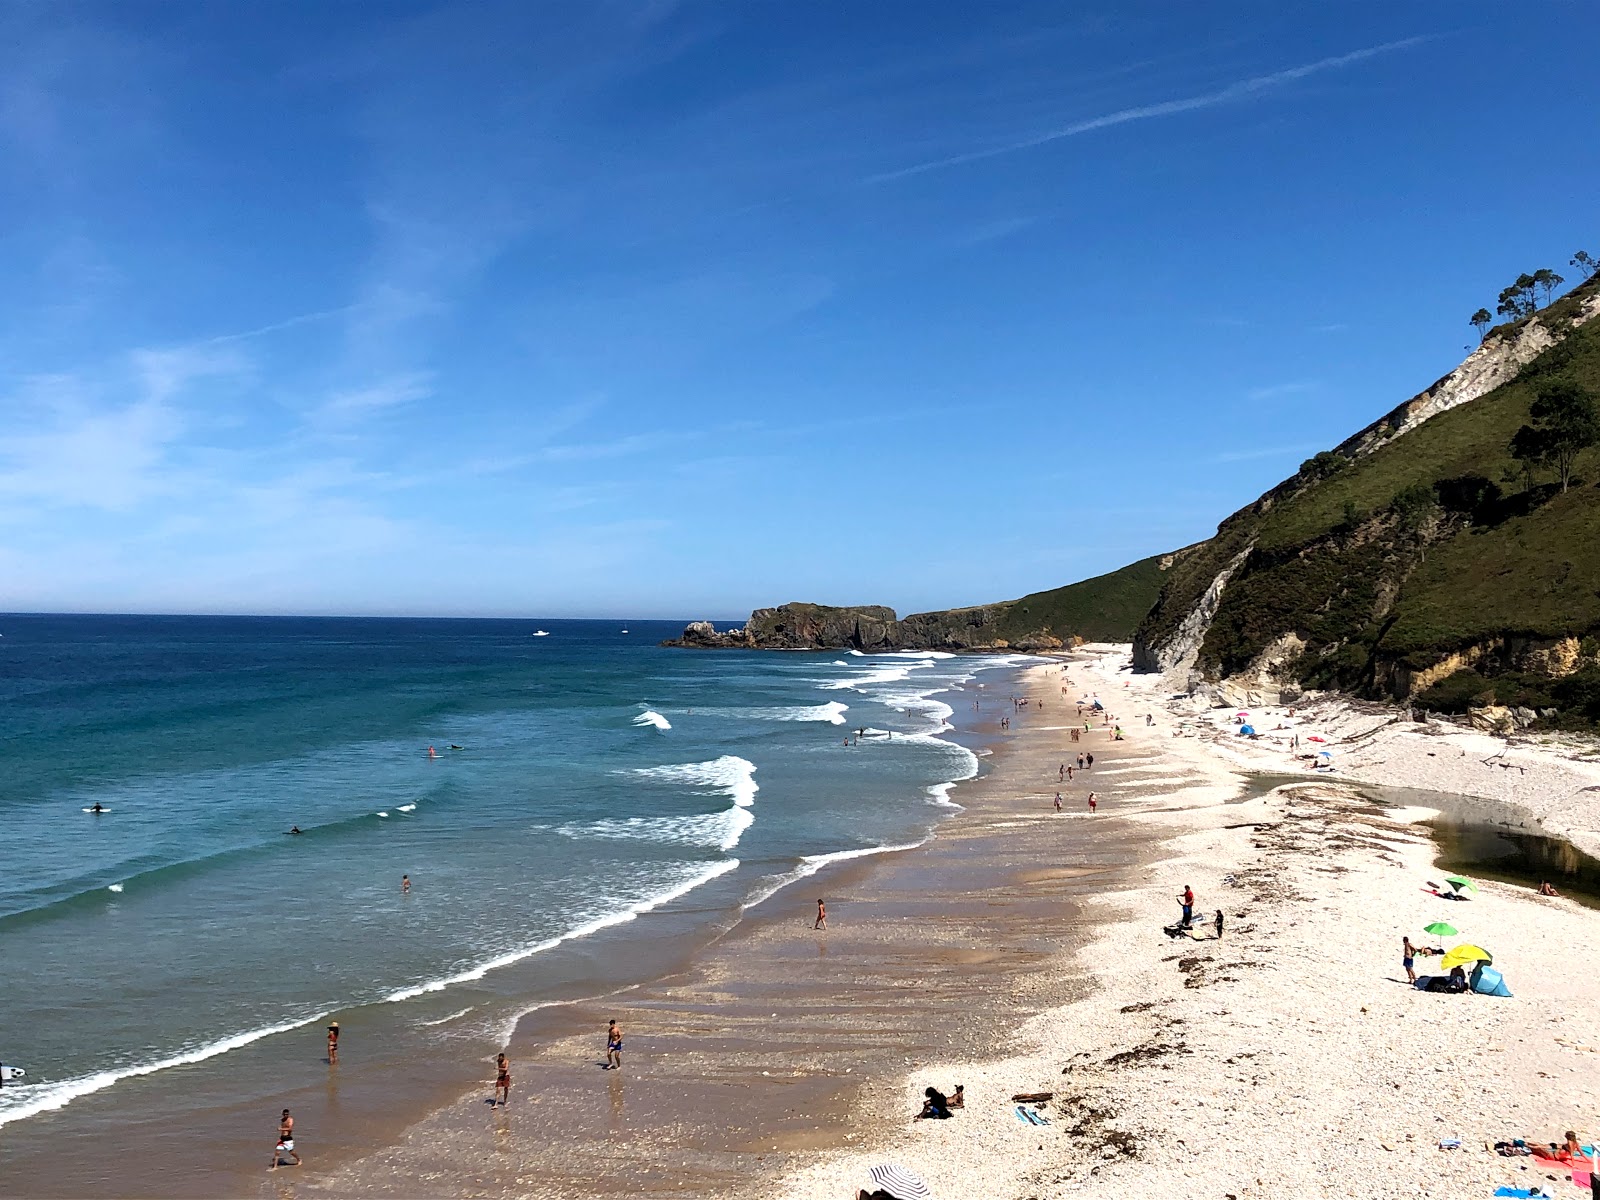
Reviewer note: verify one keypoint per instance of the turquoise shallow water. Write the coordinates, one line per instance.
(599, 776)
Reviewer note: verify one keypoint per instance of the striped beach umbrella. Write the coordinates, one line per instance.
(899, 1182)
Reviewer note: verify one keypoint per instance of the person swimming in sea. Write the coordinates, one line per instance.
(294, 830)
(97, 807)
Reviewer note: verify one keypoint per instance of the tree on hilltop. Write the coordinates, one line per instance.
(1565, 423)
(1547, 281)
(1481, 320)
(1520, 299)
(1585, 262)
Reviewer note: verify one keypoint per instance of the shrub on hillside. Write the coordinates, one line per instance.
(1457, 693)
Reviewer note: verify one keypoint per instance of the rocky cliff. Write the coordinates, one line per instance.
(1105, 608)
(1415, 554)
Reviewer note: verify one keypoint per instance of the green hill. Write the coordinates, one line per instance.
(1107, 608)
(1420, 559)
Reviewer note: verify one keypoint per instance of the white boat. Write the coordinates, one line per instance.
(541, 633)
(624, 631)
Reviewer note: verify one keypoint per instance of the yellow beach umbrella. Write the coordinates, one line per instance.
(1460, 956)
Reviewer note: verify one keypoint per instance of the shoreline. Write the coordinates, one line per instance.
(758, 1054)
(1288, 1057)
(761, 1066)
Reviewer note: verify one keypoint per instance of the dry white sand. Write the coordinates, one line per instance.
(1288, 1059)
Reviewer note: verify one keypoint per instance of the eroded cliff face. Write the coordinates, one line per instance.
(868, 628)
(1497, 361)
(1263, 607)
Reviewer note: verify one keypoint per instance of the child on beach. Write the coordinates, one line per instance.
(822, 915)
(333, 1043)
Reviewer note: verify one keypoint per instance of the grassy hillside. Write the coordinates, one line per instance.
(1107, 608)
(1436, 545)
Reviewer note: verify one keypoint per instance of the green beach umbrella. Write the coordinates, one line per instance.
(1461, 882)
(1441, 929)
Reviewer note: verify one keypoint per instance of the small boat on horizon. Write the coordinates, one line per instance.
(541, 633)
(624, 631)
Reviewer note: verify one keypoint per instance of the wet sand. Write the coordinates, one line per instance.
(772, 1043)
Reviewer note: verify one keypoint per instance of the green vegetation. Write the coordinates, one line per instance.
(1480, 527)
(1565, 424)
(1106, 608)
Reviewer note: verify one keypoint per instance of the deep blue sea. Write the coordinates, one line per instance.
(598, 776)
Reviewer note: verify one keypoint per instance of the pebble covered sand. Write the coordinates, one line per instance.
(1288, 1058)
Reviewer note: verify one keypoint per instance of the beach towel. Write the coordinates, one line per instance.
(1523, 1192)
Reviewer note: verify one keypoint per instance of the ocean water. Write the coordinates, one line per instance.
(598, 777)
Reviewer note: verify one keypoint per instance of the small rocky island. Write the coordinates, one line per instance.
(872, 627)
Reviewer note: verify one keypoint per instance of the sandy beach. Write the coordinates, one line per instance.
(1022, 951)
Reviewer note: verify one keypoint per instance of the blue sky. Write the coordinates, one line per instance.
(671, 310)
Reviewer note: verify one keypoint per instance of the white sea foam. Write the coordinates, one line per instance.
(382, 814)
(730, 774)
(712, 871)
(832, 712)
(451, 1017)
(407, 808)
(939, 795)
(20, 1102)
(650, 717)
(720, 830)
(31, 1099)
(839, 662)
(855, 653)
(115, 887)
(867, 678)
(812, 863)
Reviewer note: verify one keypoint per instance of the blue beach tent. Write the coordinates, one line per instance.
(1489, 982)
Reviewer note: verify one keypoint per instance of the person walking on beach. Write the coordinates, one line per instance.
(1219, 924)
(333, 1044)
(285, 1141)
(1088, 761)
(1061, 772)
(1058, 801)
(1187, 901)
(822, 915)
(502, 1081)
(1408, 954)
(1080, 760)
(613, 1046)
(1092, 802)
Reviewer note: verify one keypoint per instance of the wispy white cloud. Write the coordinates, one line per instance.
(356, 404)
(1240, 90)
(1231, 456)
(1277, 391)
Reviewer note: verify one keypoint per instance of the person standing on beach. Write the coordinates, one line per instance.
(1219, 924)
(1061, 772)
(285, 1141)
(1408, 954)
(502, 1082)
(822, 915)
(1187, 901)
(1092, 802)
(1080, 760)
(333, 1044)
(613, 1046)
(1088, 761)
(1058, 801)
